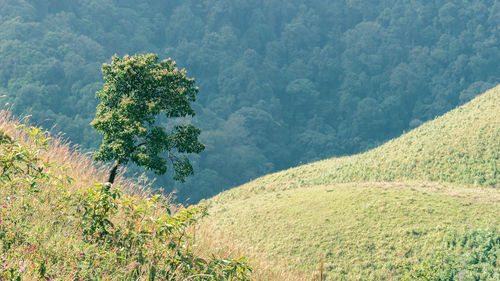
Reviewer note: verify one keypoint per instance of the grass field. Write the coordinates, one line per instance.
(363, 215)
(362, 230)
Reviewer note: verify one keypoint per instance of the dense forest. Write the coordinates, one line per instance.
(282, 82)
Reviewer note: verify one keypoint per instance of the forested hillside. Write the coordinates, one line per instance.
(281, 82)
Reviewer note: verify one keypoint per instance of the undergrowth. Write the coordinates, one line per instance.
(472, 255)
(50, 230)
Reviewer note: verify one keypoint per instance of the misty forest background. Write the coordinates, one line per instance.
(282, 82)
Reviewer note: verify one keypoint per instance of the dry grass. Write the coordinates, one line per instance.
(212, 240)
(82, 168)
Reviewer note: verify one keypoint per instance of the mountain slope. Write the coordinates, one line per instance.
(367, 213)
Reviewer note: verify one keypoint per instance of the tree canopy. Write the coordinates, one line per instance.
(282, 82)
(136, 90)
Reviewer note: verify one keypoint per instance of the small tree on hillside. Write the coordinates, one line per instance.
(136, 90)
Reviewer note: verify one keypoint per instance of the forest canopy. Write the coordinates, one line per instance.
(282, 82)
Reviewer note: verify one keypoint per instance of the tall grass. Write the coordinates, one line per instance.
(84, 170)
(59, 221)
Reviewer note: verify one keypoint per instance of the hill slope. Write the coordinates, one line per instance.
(60, 221)
(367, 213)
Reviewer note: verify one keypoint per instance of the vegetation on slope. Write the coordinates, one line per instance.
(363, 231)
(369, 216)
(473, 255)
(462, 146)
(62, 223)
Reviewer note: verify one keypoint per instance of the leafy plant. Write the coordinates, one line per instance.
(97, 204)
(17, 159)
(150, 239)
(472, 255)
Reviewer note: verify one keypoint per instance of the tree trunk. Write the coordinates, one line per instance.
(112, 173)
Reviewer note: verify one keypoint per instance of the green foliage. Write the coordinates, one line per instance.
(150, 237)
(49, 231)
(25, 175)
(440, 267)
(97, 205)
(136, 90)
(472, 255)
(17, 159)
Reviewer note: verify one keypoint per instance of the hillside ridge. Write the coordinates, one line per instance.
(461, 146)
(366, 216)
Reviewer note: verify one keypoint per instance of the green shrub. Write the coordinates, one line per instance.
(149, 236)
(472, 255)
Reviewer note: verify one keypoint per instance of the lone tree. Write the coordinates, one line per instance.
(136, 90)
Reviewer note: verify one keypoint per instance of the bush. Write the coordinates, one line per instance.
(472, 255)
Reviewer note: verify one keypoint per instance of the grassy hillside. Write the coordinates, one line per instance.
(59, 221)
(368, 213)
